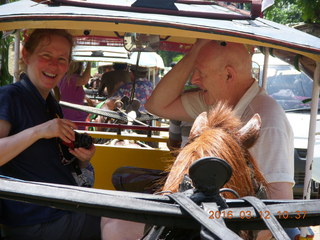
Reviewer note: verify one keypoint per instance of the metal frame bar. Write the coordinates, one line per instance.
(312, 132)
(121, 126)
(155, 209)
(240, 16)
(16, 55)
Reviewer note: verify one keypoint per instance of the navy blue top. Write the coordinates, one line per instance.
(24, 107)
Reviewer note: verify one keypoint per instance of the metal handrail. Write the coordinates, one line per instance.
(121, 126)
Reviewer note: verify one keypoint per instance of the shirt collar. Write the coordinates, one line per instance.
(32, 88)
(246, 99)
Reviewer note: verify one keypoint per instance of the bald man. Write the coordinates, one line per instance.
(223, 72)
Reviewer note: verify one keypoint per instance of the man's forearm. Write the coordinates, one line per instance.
(280, 190)
(170, 87)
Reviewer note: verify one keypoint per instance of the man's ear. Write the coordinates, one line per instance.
(24, 56)
(231, 73)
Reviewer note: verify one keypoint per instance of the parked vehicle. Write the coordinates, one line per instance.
(292, 89)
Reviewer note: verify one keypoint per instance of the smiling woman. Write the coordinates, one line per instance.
(46, 55)
(31, 130)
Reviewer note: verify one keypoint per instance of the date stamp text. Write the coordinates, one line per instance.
(251, 214)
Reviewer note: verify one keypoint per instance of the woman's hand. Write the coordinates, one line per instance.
(84, 155)
(61, 128)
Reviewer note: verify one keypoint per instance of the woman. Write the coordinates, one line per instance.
(31, 132)
(71, 90)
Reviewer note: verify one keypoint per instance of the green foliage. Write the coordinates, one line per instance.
(177, 58)
(310, 10)
(169, 57)
(294, 11)
(5, 77)
(284, 12)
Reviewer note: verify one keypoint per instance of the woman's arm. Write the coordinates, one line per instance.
(84, 79)
(11, 146)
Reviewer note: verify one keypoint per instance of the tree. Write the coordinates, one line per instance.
(5, 41)
(5, 76)
(310, 10)
(294, 11)
(169, 57)
(284, 12)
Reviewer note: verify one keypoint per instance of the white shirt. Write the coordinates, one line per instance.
(274, 150)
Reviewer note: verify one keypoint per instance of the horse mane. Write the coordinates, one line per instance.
(218, 137)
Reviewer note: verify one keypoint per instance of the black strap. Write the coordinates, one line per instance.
(215, 227)
(271, 222)
(154, 233)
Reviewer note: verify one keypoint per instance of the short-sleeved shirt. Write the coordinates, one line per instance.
(274, 150)
(143, 90)
(24, 108)
(70, 92)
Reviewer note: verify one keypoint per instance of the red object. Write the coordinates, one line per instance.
(70, 144)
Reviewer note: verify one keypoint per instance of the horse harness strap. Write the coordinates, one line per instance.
(272, 223)
(212, 225)
(219, 229)
(259, 189)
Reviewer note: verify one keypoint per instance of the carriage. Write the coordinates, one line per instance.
(178, 25)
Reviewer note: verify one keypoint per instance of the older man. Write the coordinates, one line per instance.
(223, 71)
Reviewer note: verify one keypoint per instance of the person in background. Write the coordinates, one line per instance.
(71, 90)
(142, 87)
(223, 71)
(112, 80)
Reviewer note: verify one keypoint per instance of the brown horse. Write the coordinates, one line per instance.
(221, 134)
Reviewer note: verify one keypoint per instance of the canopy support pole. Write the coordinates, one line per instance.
(16, 55)
(265, 68)
(311, 138)
(312, 131)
